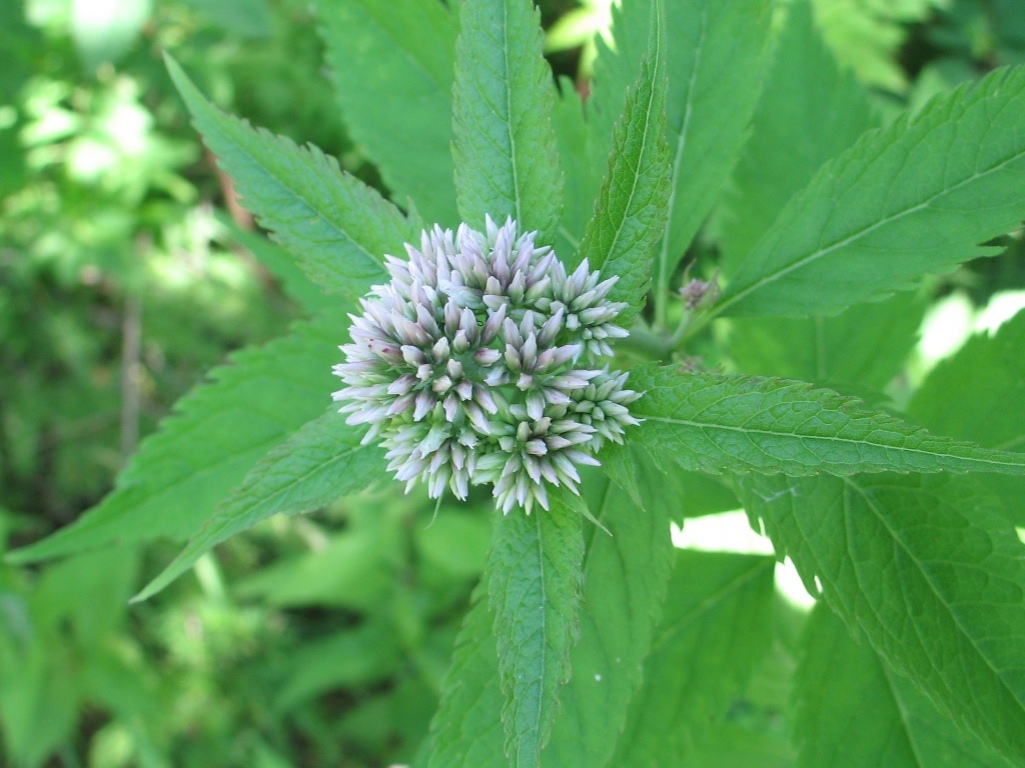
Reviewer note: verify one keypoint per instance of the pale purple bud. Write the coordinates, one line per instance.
(487, 356)
(424, 405)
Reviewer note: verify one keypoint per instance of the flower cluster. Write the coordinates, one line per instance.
(477, 364)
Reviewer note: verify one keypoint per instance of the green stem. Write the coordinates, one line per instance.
(661, 305)
(644, 340)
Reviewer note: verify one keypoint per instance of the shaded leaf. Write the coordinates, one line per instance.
(355, 570)
(364, 655)
(717, 625)
(981, 380)
(859, 350)
(928, 570)
(856, 712)
(809, 112)
(466, 731)
(970, 396)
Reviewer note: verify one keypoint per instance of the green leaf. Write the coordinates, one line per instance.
(630, 214)
(205, 448)
(393, 65)
(859, 350)
(581, 175)
(626, 576)
(717, 626)
(928, 570)
(809, 112)
(506, 163)
(282, 265)
(852, 710)
(64, 595)
(713, 422)
(733, 745)
(338, 228)
(906, 200)
(980, 381)
(357, 569)
(534, 582)
(715, 62)
(242, 18)
(616, 71)
(716, 65)
(365, 655)
(467, 731)
(682, 494)
(625, 581)
(321, 462)
(40, 701)
(968, 397)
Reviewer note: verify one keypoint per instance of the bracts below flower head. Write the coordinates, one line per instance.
(476, 363)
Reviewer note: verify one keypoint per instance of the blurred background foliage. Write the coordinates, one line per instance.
(127, 269)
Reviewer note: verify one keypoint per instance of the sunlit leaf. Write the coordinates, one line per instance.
(914, 198)
(506, 161)
(713, 422)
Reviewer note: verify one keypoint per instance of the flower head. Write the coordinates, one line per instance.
(476, 363)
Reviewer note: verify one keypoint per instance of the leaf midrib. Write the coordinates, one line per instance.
(297, 480)
(506, 83)
(827, 438)
(207, 536)
(544, 635)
